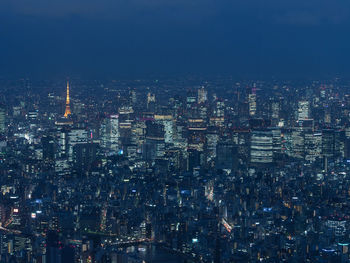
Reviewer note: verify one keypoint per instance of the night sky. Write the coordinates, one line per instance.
(140, 38)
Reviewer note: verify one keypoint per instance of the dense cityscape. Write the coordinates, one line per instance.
(174, 170)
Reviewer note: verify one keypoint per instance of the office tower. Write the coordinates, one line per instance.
(297, 143)
(169, 127)
(67, 112)
(62, 137)
(169, 131)
(261, 147)
(242, 138)
(333, 143)
(2, 119)
(303, 110)
(304, 126)
(339, 143)
(114, 132)
(219, 110)
(203, 112)
(202, 95)
(138, 131)
(49, 148)
(154, 146)
(327, 118)
(133, 97)
(226, 156)
(196, 134)
(75, 136)
(191, 98)
(125, 135)
(110, 133)
(313, 146)
(328, 142)
(194, 159)
(276, 140)
(275, 110)
(151, 101)
(84, 156)
(252, 102)
(212, 138)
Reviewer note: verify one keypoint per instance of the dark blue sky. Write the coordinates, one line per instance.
(123, 38)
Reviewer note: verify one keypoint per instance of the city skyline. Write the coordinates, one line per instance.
(174, 170)
(174, 131)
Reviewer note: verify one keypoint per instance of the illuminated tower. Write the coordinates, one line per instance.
(252, 102)
(202, 95)
(303, 110)
(68, 111)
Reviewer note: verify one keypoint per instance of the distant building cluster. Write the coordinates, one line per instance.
(158, 170)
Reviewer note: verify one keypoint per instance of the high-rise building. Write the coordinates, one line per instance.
(169, 127)
(49, 148)
(202, 95)
(194, 159)
(191, 98)
(62, 139)
(297, 143)
(151, 101)
(212, 138)
(196, 131)
(328, 142)
(226, 156)
(252, 102)
(261, 147)
(84, 155)
(2, 119)
(133, 97)
(276, 139)
(313, 146)
(154, 146)
(76, 136)
(303, 110)
(219, 110)
(275, 110)
(298, 140)
(110, 133)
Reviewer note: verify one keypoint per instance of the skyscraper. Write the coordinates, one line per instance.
(303, 110)
(252, 102)
(2, 119)
(48, 147)
(261, 148)
(154, 146)
(202, 95)
(110, 133)
(84, 155)
(226, 155)
(328, 142)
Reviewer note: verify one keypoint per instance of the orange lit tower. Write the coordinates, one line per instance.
(68, 111)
